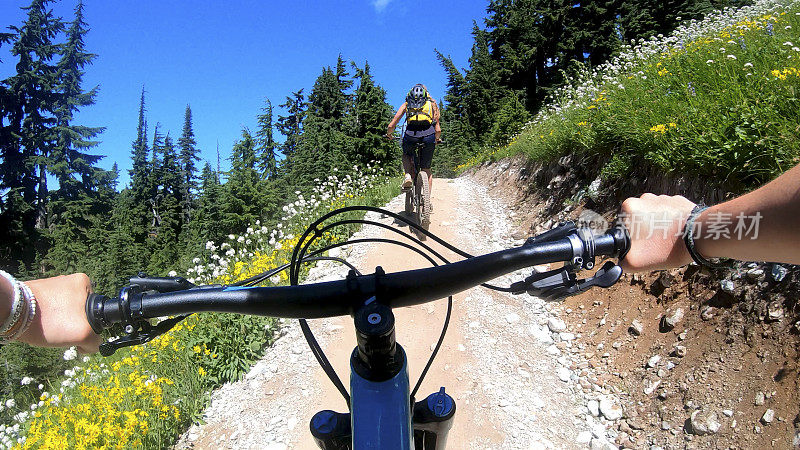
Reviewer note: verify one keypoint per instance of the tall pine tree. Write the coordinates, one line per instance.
(242, 201)
(265, 143)
(291, 125)
(28, 136)
(188, 156)
(370, 115)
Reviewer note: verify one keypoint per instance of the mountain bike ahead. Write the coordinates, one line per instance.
(418, 197)
(382, 413)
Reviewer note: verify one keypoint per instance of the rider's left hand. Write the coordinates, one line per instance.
(61, 317)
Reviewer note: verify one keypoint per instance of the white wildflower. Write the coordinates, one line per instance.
(10, 403)
(172, 273)
(70, 354)
(26, 381)
(732, 57)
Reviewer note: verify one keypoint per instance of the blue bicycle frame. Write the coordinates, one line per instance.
(381, 414)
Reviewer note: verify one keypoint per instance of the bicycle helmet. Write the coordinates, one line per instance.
(418, 93)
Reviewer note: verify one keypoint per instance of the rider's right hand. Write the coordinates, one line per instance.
(655, 223)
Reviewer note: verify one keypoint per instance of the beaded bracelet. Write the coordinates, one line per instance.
(30, 299)
(17, 305)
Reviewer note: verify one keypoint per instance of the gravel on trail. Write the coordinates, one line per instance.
(522, 381)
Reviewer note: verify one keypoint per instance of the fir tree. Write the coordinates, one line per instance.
(241, 197)
(82, 193)
(140, 195)
(370, 116)
(188, 157)
(456, 130)
(483, 85)
(139, 169)
(266, 146)
(73, 167)
(28, 136)
(208, 225)
(324, 143)
(165, 242)
(291, 125)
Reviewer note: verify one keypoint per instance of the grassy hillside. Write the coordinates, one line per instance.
(716, 100)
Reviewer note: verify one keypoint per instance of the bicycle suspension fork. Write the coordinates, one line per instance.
(381, 414)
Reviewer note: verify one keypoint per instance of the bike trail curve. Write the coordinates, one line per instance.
(505, 379)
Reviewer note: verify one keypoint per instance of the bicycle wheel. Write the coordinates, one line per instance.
(424, 209)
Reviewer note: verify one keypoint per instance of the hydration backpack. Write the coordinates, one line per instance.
(419, 107)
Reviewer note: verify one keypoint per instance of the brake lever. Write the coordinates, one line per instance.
(139, 333)
(160, 284)
(561, 283)
(553, 234)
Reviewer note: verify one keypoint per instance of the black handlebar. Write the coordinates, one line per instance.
(141, 301)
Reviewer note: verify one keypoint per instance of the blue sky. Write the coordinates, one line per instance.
(225, 58)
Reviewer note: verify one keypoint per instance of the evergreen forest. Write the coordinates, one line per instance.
(61, 213)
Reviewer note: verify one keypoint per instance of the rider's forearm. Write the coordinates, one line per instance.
(770, 214)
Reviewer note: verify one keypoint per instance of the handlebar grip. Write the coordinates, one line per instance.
(94, 307)
(615, 242)
(102, 312)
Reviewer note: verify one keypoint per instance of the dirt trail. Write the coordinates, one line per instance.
(498, 360)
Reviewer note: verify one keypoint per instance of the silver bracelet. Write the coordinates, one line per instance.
(17, 306)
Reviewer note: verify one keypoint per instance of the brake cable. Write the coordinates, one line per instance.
(318, 232)
(304, 245)
(316, 349)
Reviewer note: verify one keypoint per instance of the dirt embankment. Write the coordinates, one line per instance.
(702, 359)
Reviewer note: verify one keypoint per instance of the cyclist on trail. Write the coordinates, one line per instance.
(422, 125)
(56, 305)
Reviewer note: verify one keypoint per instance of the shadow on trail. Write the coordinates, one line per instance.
(410, 217)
